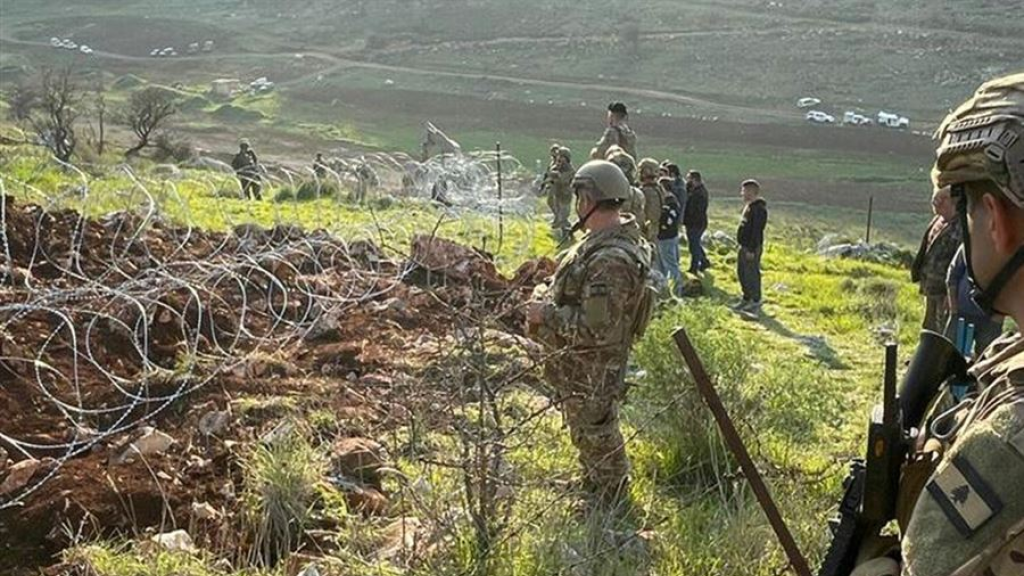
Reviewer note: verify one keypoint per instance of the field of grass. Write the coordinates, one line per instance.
(799, 384)
(859, 54)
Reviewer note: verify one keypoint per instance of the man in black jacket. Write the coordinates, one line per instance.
(695, 220)
(751, 240)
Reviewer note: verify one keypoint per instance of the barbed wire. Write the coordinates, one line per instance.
(135, 278)
(124, 314)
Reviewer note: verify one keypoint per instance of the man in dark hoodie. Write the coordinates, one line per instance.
(695, 220)
(751, 240)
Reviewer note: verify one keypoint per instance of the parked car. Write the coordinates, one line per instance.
(807, 102)
(893, 120)
(855, 119)
(819, 117)
(84, 49)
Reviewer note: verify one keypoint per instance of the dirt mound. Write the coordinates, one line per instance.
(120, 330)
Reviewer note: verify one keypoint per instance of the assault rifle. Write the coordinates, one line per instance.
(872, 486)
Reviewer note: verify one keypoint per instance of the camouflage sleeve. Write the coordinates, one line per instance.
(608, 139)
(969, 519)
(602, 317)
(652, 214)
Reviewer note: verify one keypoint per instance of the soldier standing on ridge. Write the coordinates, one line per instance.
(319, 166)
(618, 133)
(557, 184)
(598, 303)
(247, 169)
(967, 518)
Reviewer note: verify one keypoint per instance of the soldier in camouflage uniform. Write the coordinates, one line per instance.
(598, 303)
(939, 245)
(247, 169)
(618, 133)
(557, 186)
(968, 520)
(648, 171)
(634, 205)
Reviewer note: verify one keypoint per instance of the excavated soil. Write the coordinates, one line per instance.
(113, 325)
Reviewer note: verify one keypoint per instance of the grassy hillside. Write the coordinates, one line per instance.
(799, 384)
(744, 58)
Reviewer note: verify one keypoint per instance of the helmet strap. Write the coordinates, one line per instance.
(985, 297)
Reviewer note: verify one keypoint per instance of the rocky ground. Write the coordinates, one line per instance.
(140, 362)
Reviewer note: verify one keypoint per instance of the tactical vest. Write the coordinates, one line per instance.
(627, 140)
(568, 287)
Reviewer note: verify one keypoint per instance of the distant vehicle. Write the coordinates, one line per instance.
(892, 120)
(193, 47)
(154, 52)
(819, 117)
(855, 119)
(55, 42)
(807, 102)
(70, 45)
(84, 49)
(169, 51)
(207, 45)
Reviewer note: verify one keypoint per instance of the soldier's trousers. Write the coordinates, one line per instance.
(560, 205)
(250, 187)
(594, 428)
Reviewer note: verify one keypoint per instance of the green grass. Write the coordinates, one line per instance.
(210, 201)
(799, 384)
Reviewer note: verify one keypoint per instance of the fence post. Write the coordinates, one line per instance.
(871, 209)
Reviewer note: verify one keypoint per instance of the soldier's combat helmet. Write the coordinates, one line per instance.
(983, 141)
(565, 153)
(601, 180)
(648, 168)
(623, 160)
(554, 150)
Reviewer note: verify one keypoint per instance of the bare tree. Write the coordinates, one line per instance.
(148, 110)
(53, 114)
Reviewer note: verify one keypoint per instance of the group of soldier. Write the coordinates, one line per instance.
(966, 512)
(601, 297)
(966, 506)
(250, 173)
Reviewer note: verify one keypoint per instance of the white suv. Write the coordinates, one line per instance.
(819, 117)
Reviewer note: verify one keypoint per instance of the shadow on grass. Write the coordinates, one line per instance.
(817, 346)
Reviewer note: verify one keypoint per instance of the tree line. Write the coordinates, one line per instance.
(51, 108)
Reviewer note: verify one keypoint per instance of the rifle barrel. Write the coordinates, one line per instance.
(739, 450)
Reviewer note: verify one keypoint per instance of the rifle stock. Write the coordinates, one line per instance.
(739, 450)
(872, 486)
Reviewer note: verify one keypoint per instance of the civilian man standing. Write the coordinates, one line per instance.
(695, 219)
(751, 240)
